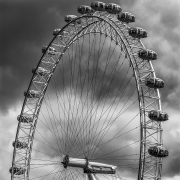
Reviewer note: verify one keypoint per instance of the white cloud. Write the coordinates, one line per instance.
(8, 126)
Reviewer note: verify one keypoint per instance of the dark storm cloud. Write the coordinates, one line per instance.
(25, 27)
(172, 142)
(23, 31)
(100, 77)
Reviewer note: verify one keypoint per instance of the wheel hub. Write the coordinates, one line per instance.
(88, 166)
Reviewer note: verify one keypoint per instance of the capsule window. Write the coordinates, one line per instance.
(155, 150)
(161, 116)
(161, 152)
(144, 33)
(139, 31)
(150, 81)
(143, 53)
(161, 83)
(134, 31)
(166, 116)
(153, 114)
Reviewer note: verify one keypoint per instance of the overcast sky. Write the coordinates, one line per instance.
(26, 26)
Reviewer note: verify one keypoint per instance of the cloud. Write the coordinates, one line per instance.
(8, 125)
(171, 136)
(26, 26)
(162, 26)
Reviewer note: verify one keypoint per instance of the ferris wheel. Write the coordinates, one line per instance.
(93, 102)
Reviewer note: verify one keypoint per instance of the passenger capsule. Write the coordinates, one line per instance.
(24, 119)
(83, 9)
(113, 8)
(70, 18)
(20, 145)
(64, 33)
(32, 94)
(98, 6)
(126, 17)
(51, 51)
(17, 170)
(158, 115)
(56, 32)
(44, 48)
(137, 32)
(154, 83)
(158, 151)
(40, 71)
(147, 54)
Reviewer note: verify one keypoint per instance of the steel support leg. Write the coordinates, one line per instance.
(91, 176)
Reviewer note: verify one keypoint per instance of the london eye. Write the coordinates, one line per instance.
(92, 109)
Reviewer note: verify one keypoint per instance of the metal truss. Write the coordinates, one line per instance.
(149, 98)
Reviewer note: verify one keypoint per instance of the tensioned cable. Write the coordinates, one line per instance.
(120, 148)
(93, 113)
(62, 75)
(45, 124)
(119, 135)
(120, 156)
(43, 160)
(42, 142)
(59, 121)
(77, 110)
(52, 172)
(79, 73)
(55, 118)
(42, 165)
(51, 120)
(75, 93)
(109, 121)
(105, 144)
(42, 153)
(85, 130)
(81, 85)
(81, 93)
(114, 137)
(91, 84)
(105, 69)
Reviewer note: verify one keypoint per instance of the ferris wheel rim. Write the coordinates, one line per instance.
(84, 16)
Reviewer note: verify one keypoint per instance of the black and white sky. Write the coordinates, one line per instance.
(26, 26)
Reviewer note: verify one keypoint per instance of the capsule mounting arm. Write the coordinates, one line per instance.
(88, 166)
